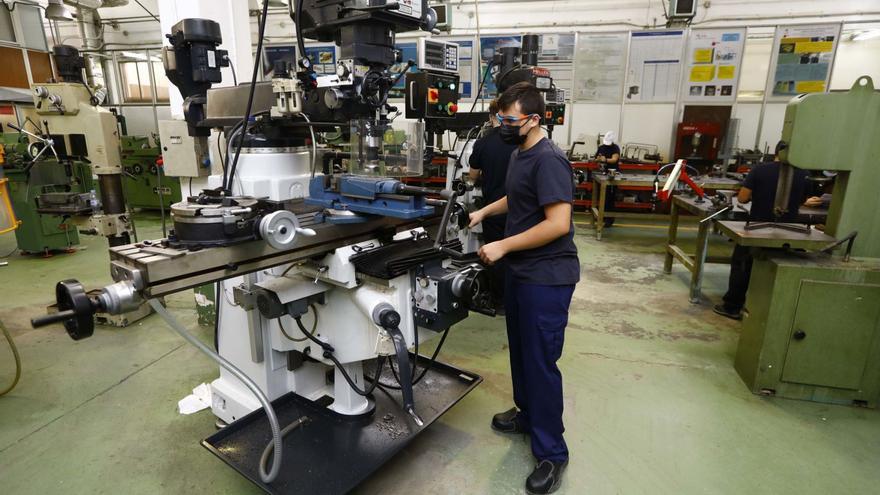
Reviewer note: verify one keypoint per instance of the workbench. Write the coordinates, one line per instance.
(775, 238)
(702, 209)
(601, 182)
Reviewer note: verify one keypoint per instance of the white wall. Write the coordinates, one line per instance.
(653, 123)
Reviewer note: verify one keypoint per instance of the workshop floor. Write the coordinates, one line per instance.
(653, 404)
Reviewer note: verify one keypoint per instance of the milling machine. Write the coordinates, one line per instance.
(811, 328)
(325, 280)
(48, 194)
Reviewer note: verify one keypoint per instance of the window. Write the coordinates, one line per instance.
(33, 33)
(136, 86)
(7, 32)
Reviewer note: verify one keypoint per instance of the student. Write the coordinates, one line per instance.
(488, 161)
(542, 270)
(609, 155)
(759, 187)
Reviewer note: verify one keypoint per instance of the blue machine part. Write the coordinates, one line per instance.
(368, 195)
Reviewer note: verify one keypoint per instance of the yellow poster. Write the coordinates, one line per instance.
(809, 86)
(702, 73)
(726, 71)
(813, 46)
(703, 56)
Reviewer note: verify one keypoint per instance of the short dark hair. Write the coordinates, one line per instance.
(531, 101)
(493, 107)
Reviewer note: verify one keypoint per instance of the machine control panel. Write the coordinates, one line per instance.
(554, 100)
(431, 95)
(435, 55)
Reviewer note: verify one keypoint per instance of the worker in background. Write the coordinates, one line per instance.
(542, 270)
(759, 188)
(608, 155)
(488, 161)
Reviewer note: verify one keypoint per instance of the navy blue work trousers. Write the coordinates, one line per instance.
(536, 320)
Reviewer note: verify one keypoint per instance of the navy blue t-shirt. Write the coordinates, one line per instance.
(492, 156)
(609, 150)
(537, 177)
(762, 180)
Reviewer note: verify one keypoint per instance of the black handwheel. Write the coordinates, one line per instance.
(75, 310)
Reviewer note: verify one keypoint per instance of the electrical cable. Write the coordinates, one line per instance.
(298, 29)
(425, 370)
(250, 102)
(328, 353)
(232, 68)
(17, 358)
(479, 94)
(254, 388)
(314, 325)
(10, 253)
(314, 143)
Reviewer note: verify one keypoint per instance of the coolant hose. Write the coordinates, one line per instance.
(17, 360)
(277, 437)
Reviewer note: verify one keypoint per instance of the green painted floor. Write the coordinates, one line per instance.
(653, 404)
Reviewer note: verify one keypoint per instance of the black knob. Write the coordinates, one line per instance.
(389, 319)
(800, 335)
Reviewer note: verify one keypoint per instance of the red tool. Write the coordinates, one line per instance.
(679, 173)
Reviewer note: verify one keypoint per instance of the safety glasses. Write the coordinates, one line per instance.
(511, 120)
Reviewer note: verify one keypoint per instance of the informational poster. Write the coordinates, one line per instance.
(802, 58)
(323, 57)
(488, 45)
(600, 63)
(556, 47)
(465, 65)
(654, 69)
(714, 57)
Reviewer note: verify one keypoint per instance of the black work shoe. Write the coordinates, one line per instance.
(608, 222)
(727, 312)
(546, 477)
(508, 422)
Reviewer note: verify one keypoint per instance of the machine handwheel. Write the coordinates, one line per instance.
(70, 295)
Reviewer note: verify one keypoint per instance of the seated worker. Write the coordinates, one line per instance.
(609, 155)
(759, 187)
(488, 161)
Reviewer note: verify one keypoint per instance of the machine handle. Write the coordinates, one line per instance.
(42, 321)
(800, 335)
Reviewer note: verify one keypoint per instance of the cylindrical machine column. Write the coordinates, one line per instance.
(113, 203)
(530, 47)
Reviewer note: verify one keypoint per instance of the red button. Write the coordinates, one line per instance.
(453, 108)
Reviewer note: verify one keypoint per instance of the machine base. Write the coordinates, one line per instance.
(333, 453)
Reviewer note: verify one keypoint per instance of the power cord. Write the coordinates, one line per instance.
(17, 360)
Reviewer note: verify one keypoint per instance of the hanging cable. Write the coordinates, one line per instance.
(17, 358)
(250, 101)
(425, 370)
(328, 351)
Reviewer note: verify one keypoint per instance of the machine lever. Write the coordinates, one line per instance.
(42, 321)
(403, 365)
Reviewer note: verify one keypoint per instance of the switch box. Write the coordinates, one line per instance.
(179, 152)
(431, 96)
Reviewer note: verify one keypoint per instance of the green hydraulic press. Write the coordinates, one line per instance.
(146, 186)
(811, 327)
(47, 195)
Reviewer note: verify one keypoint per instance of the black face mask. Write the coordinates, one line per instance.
(510, 135)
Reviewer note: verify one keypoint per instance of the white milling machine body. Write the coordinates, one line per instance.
(325, 281)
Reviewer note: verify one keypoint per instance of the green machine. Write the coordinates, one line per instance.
(811, 329)
(46, 195)
(146, 186)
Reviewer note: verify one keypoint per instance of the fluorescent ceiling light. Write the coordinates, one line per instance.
(135, 55)
(866, 35)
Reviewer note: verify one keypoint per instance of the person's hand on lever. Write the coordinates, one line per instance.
(813, 202)
(492, 252)
(476, 218)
